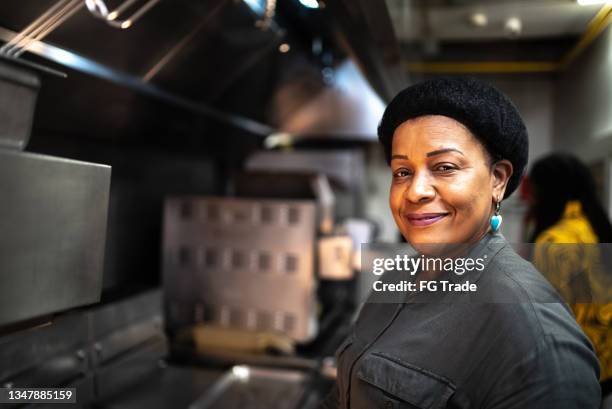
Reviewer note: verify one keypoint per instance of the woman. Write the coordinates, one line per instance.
(457, 148)
(569, 219)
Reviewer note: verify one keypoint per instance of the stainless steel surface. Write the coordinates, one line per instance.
(122, 326)
(199, 388)
(347, 109)
(46, 27)
(110, 318)
(18, 91)
(242, 387)
(345, 169)
(122, 373)
(41, 27)
(169, 387)
(241, 263)
(44, 356)
(100, 351)
(99, 9)
(53, 10)
(53, 217)
(43, 69)
(88, 66)
(228, 66)
(254, 388)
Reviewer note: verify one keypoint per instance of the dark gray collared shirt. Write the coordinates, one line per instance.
(513, 344)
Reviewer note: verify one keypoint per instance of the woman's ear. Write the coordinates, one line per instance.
(502, 171)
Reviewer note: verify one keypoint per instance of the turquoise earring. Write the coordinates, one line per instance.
(496, 219)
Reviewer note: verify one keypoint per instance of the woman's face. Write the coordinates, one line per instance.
(443, 186)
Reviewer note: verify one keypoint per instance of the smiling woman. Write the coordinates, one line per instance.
(443, 182)
(456, 149)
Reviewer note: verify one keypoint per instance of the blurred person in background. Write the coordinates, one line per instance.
(565, 209)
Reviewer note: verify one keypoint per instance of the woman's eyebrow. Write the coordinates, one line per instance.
(399, 157)
(440, 151)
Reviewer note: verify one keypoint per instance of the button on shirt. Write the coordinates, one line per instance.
(512, 344)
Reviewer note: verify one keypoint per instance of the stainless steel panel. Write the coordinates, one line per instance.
(241, 263)
(167, 387)
(120, 328)
(85, 392)
(198, 388)
(344, 167)
(48, 353)
(254, 388)
(345, 170)
(53, 221)
(129, 369)
(108, 319)
(78, 62)
(102, 332)
(18, 91)
(99, 351)
(128, 338)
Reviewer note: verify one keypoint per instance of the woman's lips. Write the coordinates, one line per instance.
(424, 219)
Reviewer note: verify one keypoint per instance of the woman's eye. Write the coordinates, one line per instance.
(401, 173)
(445, 167)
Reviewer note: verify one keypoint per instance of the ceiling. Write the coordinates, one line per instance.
(448, 30)
(451, 21)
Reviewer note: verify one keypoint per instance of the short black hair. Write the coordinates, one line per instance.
(489, 115)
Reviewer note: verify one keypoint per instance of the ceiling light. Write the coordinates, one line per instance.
(513, 27)
(479, 19)
(593, 2)
(311, 4)
(284, 48)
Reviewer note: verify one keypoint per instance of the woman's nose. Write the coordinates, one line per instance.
(420, 189)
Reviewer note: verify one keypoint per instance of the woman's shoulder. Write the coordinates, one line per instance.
(524, 295)
(516, 279)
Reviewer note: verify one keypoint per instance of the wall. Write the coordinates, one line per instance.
(583, 124)
(533, 95)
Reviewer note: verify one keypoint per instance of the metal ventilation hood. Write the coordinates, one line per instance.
(194, 68)
(348, 107)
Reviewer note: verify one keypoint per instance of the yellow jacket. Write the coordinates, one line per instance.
(577, 274)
